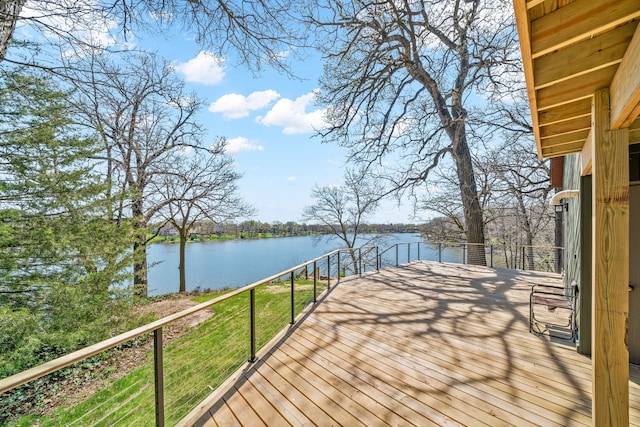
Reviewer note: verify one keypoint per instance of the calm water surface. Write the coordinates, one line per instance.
(233, 263)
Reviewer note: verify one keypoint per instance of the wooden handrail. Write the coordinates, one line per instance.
(36, 372)
(54, 365)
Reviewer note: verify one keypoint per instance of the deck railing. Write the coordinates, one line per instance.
(518, 257)
(224, 333)
(242, 321)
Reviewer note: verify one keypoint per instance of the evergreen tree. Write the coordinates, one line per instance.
(62, 261)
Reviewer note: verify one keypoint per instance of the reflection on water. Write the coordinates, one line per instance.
(233, 263)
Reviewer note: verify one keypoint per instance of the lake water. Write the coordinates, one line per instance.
(233, 263)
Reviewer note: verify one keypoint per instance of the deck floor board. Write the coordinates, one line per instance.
(422, 344)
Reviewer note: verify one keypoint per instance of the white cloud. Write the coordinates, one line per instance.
(293, 117)
(206, 68)
(292, 178)
(185, 151)
(53, 22)
(182, 102)
(240, 144)
(402, 127)
(236, 106)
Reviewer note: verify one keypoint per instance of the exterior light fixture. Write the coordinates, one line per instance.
(559, 207)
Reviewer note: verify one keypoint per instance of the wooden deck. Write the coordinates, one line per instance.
(421, 344)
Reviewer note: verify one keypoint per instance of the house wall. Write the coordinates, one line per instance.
(583, 310)
(577, 234)
(572, 225)
(634, 273)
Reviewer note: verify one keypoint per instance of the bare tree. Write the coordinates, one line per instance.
(443, 182)
(138, 108)
(9, 12)
(344, 209)
(201, 185)
(401, 78)
(257, 31)
(523, 188)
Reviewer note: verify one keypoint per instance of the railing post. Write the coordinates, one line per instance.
(524, 267)
(408, 252)
(315, 282)
(293, 305)
(360, 261)
(158, 376)
(252, 315)
(418, 251)
(397, 255)
(464, 253)
(491, 254)
(329, 271)
(338, 266)
(377, 258)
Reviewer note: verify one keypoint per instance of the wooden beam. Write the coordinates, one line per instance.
(585, 156)
(584, 57)
(565, 139)
(580, 108)
(568, 126)
(533, 3)
(524, 34)
(579, 20)
(562, 150)
(625, 86)
(575, 89)
(552, 155)
(610, 279)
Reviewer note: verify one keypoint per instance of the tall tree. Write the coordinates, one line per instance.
(258, 32)
(523, 185)
(9, 12)
(139, 109)
(344, 209)
(62, 261)
(202, 185)
(400, 80)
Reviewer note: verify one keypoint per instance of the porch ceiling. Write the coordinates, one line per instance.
(570, 49)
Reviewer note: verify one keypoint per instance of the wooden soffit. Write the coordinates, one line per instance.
(570, 49)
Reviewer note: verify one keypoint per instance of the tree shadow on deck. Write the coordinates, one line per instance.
(468, 314)
(452, 338)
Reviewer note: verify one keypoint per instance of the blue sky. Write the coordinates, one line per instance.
(269, 121)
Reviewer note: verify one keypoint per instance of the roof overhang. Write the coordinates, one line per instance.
(571, 49)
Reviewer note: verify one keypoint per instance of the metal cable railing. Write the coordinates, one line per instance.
(216, 337)
(221, 335)
(518, 257)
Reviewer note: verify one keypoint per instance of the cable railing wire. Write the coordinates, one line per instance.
(240, 323)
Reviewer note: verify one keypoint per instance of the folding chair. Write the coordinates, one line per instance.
(552, 310)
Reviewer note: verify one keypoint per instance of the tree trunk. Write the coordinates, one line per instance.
(9, 12)
(354, 260)
(182, 264)
(471, 205)
(140, 283)
(140, 267)
(526, 225)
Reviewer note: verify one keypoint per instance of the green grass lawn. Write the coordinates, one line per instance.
(194, 365)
